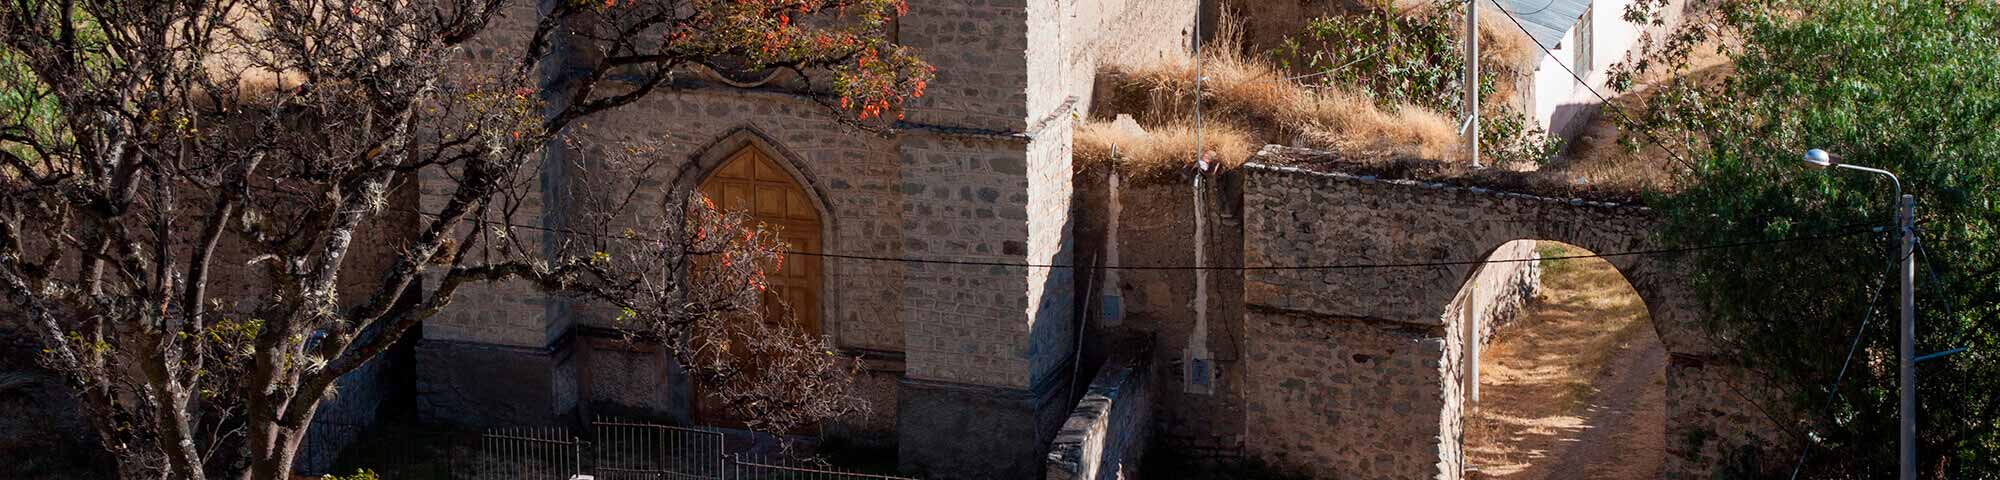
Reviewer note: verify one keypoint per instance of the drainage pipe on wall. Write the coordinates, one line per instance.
(1112, 310)
(1199, 368)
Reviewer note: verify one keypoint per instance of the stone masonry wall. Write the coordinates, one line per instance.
(1091, 33)
(965, 324)
(1294, 217)
(1331, 218)
(853, 175)
(979, 48)
(1105, 436)
(505, 314)
(979, 170)
(1346, 397)
(1503, 289)
(485, 360)
(1051, 339)
(1036, 189)
(1155, 226)
(866, 195)
(1719, 420)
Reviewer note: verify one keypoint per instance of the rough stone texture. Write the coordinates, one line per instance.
(950, 430)
(1298, 217)
(627, 380)
(980, 49)
(1714, 421)
(978, 171)
(874, 429)
(506, 322)
(1503, 289)
(1156, 228)
(964, 323)
(1359, 372)
(1346, 397)
(1073, 38)
(481, 385)
(1051, 338)
(1310, 415)
(1105, 436)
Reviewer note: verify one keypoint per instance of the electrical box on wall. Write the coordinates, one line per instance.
(1112, 310)
(1199, 373)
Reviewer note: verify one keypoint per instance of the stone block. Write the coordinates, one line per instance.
(960, 431)
(475, 385)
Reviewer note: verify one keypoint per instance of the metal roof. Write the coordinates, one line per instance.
(1546, 20)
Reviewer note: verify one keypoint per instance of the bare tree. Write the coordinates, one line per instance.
(183, 184)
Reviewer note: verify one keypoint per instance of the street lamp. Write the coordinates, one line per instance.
(1906, 212)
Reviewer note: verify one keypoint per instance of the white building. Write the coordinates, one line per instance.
(1578, 39)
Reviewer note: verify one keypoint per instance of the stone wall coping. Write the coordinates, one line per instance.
(1116, 381)
(1441, 185)
(1277, 152)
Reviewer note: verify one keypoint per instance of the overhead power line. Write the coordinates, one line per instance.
(1833, 392)
(1845, 231)
(1606, 101)
(1363, 266)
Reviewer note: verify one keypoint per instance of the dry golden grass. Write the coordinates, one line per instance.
(1574, 388)
(1259, 99)
(1159, 150)
(1509, 55)
(1596, 156)
(1267, 23)
(1248, 100)
(1502, 44)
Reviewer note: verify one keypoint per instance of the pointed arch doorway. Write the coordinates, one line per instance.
(751, 181)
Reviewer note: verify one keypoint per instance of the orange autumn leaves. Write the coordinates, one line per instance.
(850, 39)
(741, 252)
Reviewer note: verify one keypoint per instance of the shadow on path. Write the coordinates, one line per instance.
(1575, 388)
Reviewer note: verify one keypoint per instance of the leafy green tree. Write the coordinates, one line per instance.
(1912, 87)
(1415, 55)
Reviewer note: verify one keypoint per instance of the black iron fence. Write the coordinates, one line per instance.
(528, 454)
(615, 450)
(642, 451)
(783, 469)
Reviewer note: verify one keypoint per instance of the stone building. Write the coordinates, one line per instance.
(979, 371)
(984, 371)
(968, 367)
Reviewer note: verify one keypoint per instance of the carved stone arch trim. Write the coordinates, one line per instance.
(710, 157)
(1658, 280)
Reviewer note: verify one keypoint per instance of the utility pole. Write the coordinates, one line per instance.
(1472, 81)
(1906, 224)
(1906, 219)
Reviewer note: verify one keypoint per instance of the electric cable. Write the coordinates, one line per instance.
(1629, 123)
(1833, 392)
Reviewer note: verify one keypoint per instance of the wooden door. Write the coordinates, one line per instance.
(751, 181)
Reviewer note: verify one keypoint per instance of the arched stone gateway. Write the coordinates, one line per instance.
(1390, 352)
(1357, 372)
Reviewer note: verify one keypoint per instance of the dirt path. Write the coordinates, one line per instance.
(1575, 388)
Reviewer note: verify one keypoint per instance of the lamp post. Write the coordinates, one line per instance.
(1906, 212)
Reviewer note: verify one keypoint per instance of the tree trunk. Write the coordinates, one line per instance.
(272, 448)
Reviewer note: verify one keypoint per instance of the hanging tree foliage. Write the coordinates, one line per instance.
(1910, 87)
(200, 216)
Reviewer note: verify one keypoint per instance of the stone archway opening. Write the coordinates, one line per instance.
(1573, 385)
